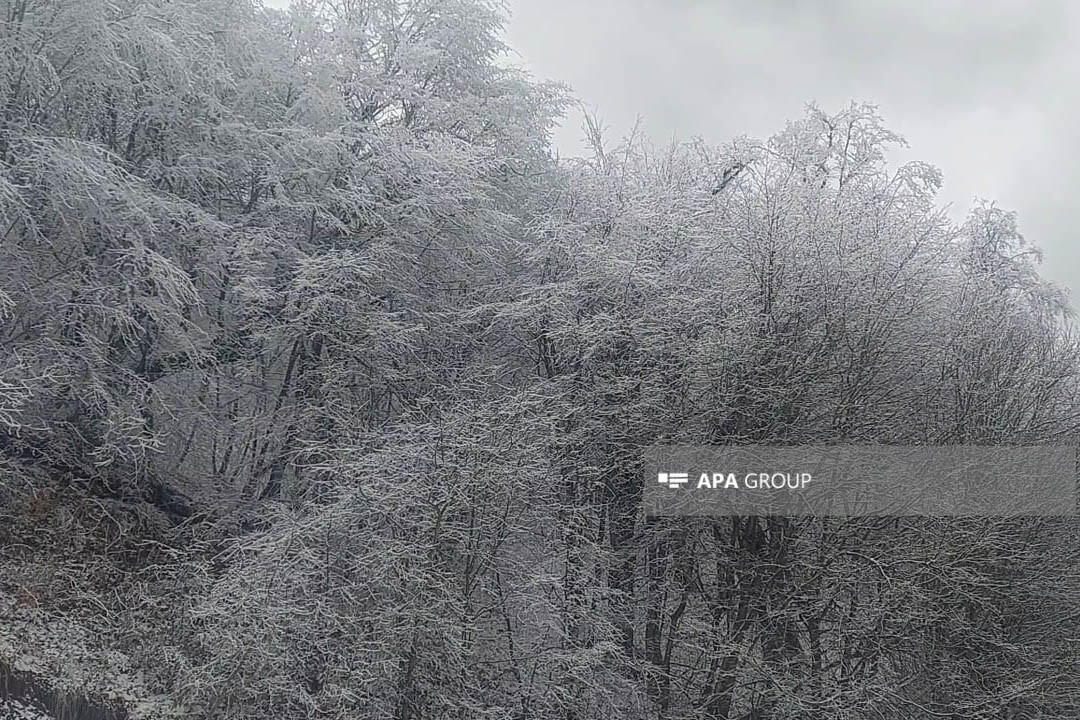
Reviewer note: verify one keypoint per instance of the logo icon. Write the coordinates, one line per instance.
(672, 480)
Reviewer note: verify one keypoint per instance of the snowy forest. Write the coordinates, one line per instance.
(324, 382)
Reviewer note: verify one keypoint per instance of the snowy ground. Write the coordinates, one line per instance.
(14, 710)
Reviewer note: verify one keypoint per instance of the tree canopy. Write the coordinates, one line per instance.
(323, 387)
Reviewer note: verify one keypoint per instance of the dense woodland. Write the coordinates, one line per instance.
(324, 384)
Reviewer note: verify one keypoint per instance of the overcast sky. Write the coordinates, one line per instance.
(987, 90)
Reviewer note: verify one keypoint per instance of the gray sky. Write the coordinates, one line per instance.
(987, 90)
